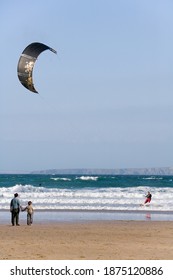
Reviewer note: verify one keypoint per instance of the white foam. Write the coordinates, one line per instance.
(87, 178)
(89, 198)
(60, 179)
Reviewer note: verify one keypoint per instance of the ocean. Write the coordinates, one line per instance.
(85, 192)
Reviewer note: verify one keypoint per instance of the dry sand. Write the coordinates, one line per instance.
(115, 240)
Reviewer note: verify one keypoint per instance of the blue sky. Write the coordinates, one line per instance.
(105, 100)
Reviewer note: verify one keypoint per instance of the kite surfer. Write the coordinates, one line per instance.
(148, 198)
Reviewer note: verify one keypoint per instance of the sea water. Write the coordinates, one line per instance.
(85, 192)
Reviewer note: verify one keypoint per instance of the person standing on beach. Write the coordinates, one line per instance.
(148, 198)
(15, 209)
(30, 212)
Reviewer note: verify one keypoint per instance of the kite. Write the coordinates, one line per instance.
(26, 64)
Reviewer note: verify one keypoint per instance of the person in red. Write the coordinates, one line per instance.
(148, 198)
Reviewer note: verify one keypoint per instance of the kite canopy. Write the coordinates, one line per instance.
(26, 64)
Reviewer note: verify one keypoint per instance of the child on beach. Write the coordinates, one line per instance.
(30, 212)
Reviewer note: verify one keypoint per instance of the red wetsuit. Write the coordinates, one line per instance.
(148, 199)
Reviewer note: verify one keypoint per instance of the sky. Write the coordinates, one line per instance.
(105, 100)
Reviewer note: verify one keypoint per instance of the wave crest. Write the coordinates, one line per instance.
(87, 178)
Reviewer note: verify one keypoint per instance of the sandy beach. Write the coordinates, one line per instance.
(109, 240)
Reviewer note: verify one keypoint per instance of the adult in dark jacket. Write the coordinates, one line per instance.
(15, 209)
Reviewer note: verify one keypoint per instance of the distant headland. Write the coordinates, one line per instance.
(164, 171)
(117, 171)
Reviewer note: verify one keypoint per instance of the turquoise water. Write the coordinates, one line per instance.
(96, 192)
